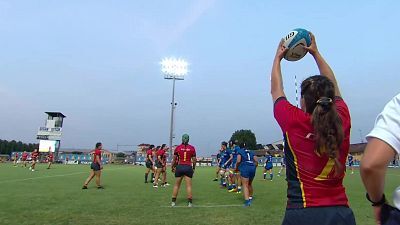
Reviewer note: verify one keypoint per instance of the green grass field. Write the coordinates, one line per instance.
(55, 197)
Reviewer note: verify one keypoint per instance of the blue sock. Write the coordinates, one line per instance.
(271, 175)
(265, 176)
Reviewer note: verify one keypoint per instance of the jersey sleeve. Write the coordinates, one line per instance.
(387, 124)
(284, 112)
(176, 151)
(343, 111)
(194, 152)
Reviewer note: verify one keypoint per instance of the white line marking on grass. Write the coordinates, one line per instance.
(35, 178)
(42, 177)
(203, 206)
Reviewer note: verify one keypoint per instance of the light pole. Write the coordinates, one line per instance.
(173, 69)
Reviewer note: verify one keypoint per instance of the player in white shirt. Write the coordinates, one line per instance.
(383, 145)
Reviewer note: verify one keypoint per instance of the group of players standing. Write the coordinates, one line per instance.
(156, 163)
(34, 159)
(236, 169)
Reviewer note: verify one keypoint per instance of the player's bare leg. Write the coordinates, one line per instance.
(177, 185)
(146, 175)
(188, 181)
(250, 185)
(98, 175)
(245, 182)
(217, 174)
(158, 172)
(164, 177)
(239, 183)
(88, 180)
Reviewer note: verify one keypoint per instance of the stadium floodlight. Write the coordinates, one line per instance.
(173, 69)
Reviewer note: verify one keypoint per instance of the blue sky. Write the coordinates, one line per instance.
(98, 63)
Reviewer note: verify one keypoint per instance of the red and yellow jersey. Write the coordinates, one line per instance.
(161, 153)
(34, 155)
(185, 154)
(149, 154)
(97, 155)
(311, 178)
(24, 155)
(50, 157)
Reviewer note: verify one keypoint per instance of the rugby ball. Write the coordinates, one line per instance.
(294, 42)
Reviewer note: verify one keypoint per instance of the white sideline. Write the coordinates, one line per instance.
(202, 206)
(59, 175)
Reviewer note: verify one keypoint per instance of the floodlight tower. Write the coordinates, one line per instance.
(173, 69)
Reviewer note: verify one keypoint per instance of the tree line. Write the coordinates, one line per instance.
(7, 147)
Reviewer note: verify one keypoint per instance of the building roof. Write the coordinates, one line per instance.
(55, 114)
(70, 150)
(358, 147)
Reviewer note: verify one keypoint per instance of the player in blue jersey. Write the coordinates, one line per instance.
(283, 165)
(350, 158)
(246, 164)
(218, 166)
(268, 166)
(234, 175)
(224, 163)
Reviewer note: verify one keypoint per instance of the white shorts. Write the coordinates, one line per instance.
(387, 124)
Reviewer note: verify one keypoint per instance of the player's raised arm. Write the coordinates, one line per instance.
(323, 66)
(276, 74)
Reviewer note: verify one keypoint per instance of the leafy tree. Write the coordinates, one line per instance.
(120, 155)
(7, 147)
(246, 136)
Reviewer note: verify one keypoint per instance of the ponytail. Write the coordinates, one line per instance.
(318, 93)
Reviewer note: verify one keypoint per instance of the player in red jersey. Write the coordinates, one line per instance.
(24, 158)
(16, 157)
(34, 157)
(160, 163)
(164, 170)
(50, 158)
(183, 164)
(317, 140)
(149, 164)
(96, 167)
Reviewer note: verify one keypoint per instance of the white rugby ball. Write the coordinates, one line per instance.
(295, 42)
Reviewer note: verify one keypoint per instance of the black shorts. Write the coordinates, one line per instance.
(184, 170)
(95, 166)
(159, 164)
(334, 215)
(149, 165)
